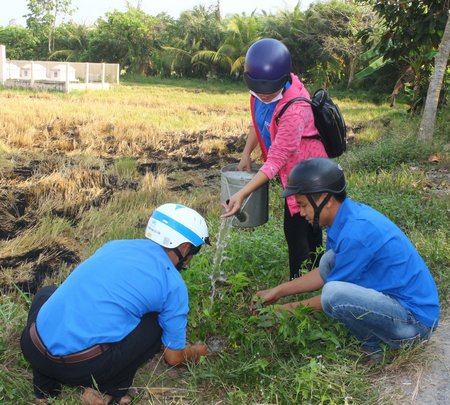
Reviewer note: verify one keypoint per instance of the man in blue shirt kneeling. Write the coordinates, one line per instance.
(374, 281)
(115, 310)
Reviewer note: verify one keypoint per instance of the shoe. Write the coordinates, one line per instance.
(125, 400)
(93, 397)
(372, 358)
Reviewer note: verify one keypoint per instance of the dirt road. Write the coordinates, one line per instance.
(425, 382)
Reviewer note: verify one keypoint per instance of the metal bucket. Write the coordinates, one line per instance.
(255, 208)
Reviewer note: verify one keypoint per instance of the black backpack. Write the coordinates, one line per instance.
(328, 120)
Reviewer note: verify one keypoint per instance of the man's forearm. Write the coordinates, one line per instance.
(307, 283)
(176, 357)
(195, 352)
(313, 302)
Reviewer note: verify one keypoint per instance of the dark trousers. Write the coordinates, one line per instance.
(112, 372)
(302, 242)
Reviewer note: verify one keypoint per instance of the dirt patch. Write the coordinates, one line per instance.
(49, 182)
(165, 384)
(28, 270)
(13, 203)
(426, 378)
(162, 384)
(438, 180)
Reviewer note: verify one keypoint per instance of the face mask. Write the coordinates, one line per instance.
(276, 98)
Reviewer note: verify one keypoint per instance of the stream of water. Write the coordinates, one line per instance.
(217, 274)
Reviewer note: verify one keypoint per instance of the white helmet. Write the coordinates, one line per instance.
(170, 225)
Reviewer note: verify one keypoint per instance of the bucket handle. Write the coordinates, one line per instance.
(243, 204)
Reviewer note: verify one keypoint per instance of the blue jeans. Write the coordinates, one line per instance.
(371, 316)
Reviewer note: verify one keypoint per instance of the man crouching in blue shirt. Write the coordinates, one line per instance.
(374, 281)
(115, 310)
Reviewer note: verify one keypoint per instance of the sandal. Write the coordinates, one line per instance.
(124, 400)
(93, 397)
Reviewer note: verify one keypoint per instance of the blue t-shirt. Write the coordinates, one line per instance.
(372, 252)
(263, 117)
(105, 297)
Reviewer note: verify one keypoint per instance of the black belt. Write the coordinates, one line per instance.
(77, 357)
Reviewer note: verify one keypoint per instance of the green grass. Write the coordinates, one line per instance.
(271, 358)
(213, 86)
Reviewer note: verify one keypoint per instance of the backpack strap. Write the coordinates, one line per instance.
(285, 107)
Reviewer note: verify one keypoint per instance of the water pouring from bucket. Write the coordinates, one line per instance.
(253, 212)
(255, 208)
(217, 275)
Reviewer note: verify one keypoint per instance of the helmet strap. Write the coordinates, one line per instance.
(317, 210)
(181, 259)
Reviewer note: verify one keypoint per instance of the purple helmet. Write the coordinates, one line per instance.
(267, 66)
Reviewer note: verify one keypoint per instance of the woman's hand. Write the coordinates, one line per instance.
(233, 205)
(245, 164)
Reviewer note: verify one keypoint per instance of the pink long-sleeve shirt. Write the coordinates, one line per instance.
(289, 140)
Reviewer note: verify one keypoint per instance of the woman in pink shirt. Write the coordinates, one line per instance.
(284, 144)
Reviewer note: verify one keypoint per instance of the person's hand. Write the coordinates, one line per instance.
(233, 206)
(268, 297)
(178, 357)
(245, 164)
(197, 351)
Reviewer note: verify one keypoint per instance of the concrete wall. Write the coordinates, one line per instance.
(37, 85)
(93, 76)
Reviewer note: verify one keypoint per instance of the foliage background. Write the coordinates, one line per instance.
(353, 44)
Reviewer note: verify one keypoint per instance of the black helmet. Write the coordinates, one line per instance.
(315, 175)
(268, 66)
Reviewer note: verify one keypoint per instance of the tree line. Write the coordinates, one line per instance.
(381, 45)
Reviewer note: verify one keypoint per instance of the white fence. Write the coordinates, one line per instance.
(60, 76)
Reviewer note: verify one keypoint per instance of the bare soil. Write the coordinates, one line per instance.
(426, 379)
(423, 379)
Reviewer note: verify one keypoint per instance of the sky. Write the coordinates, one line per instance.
(89, 10)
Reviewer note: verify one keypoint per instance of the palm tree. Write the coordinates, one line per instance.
(291, 29)
(240, 33)
(194, 31)
(72, 42)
